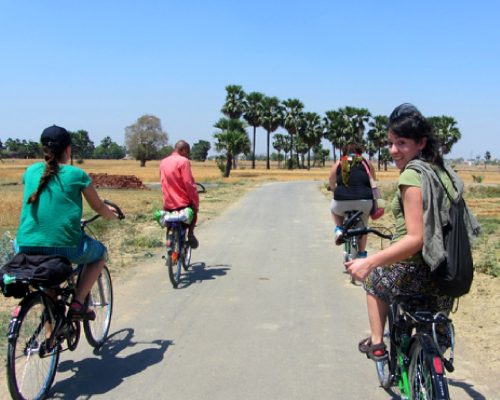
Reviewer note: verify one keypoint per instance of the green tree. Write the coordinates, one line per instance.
(199, 151)
(234, 107)
(109, 150)
(81, 145)
(281, 142)
(144, 138)
(292, 120)
(320, 155)
(335, 125)
(232, 139)
(311, 132)
(272, 118)
(446, 131)
(378, 134)
(252, 115)
(357, 118)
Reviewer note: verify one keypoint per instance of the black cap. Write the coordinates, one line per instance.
(55, 136)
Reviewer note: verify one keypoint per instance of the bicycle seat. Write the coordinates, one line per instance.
(353, 217)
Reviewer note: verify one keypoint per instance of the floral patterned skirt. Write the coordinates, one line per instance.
(406, 279)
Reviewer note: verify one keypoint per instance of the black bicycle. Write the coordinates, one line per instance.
(419, 340)
(39, 329)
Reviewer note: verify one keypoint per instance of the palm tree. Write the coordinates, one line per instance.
(357, 117)
(252, 115)
(232, 139)
(292, 119)
(335, 125)
(272, 117)
(235, 102)
(446, 132)
(280, 143)
(378, 134)
(311, 132)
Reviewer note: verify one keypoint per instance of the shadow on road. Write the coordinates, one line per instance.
(199, 272)
(467, 388)
(106, 371)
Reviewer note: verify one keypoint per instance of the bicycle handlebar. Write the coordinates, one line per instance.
(120, 213)
(366, 230)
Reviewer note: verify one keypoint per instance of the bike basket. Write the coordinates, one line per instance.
(38, 270)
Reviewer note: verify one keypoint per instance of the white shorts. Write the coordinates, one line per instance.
(340, 207)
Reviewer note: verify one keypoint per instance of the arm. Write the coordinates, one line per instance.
(409, 245)
(190, 185)
(333, 176)
(97, 204)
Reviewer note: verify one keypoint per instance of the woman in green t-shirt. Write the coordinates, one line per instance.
(400, 268)
(51, 213)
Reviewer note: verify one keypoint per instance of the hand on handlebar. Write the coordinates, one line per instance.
(359, 268)
(115, 209)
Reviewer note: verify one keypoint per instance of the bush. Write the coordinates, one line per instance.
(477, 178)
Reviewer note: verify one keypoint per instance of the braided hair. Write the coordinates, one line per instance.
(53, 151)
(408, 122)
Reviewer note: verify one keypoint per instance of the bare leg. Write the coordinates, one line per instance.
(339, 219)
(377, 314)
(88, 277)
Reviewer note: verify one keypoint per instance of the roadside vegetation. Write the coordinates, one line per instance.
(139, 237)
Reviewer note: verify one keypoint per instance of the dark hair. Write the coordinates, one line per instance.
(52, 152)
(408, 122)
(352, 148)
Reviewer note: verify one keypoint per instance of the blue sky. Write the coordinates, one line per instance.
(99, 65)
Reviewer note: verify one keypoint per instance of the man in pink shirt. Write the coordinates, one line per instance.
(178, 185)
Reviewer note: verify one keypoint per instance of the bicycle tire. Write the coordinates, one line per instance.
(350, 253)
(100, 299)
(174, 258)
(186, 255)
(30, 367)
(426, 381)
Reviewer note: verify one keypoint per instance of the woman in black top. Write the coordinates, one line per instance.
(351, 188)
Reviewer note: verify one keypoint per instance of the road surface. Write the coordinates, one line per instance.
(265, 313)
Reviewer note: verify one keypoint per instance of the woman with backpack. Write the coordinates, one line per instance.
(350, 183)
(51, 213)
(405, 266)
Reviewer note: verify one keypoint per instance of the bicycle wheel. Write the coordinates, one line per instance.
(174, 258)
(350, 253)
(100, 299)
(426, 372)
(31, 367)
(186, 252)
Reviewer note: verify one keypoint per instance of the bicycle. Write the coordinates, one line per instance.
(418, 340)
(178, 249)
(39, 328)
(352, 218)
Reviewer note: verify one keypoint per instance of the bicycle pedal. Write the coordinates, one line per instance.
(448, 365)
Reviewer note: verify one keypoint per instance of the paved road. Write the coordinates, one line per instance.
(264, 314)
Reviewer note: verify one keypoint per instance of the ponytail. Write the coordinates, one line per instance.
(51, 169)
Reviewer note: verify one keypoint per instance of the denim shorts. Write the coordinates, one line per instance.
(88, 251)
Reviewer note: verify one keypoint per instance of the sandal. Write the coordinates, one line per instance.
(375, 352)
(78, 312)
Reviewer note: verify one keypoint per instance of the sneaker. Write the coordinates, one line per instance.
(193, 242)
(362, 254)
(339, 237)
(77, 312)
